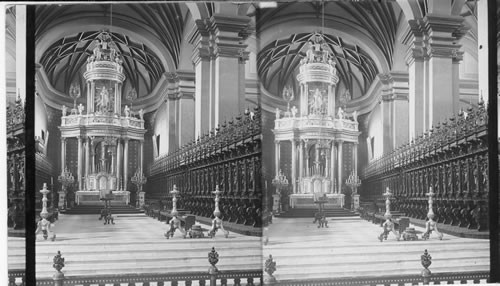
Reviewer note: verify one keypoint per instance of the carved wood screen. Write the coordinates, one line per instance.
(452, 158)
(230, 157)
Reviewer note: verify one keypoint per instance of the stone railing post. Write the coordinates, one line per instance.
(58, 264)
(426, 261)
(213, 258)
(270, 268)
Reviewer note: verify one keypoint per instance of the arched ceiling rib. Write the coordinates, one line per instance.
(278, 60)
(162, 24)
(375, 22)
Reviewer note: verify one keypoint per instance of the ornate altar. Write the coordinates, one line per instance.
(317, 132)
(103, 133)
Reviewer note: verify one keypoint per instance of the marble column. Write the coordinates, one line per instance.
(294, 166)
(200, 38)
(332, 162)
(118, 162)
(92, 155)
(63, 154)
(117, 107)
(87, 157)
(443, 45)
(229, 33)
(355, 158)
(80, 163)
(339, 166)
(125, 163)
(416, 78)
(301, 160)
(277, 157)
(141, 155)
(92, 97)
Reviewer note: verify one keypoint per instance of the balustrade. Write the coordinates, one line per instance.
(452, 158)
(230, 157)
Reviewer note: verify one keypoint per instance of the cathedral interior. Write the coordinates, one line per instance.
(278, 137)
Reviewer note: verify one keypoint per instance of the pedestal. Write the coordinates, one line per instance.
(355, 201)
(276, 203)
(142, 199)
(62, 200)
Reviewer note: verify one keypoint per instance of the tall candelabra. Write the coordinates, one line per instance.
(387, 196)
(139, 180)
(353, 182)
(280, 182)
(44, 213)
(66, 179)
(217, 221)
(174, 193)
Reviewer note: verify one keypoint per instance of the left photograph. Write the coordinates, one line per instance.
(148, 140)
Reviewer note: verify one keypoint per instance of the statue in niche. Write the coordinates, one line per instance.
(316, 103)
(103, 100)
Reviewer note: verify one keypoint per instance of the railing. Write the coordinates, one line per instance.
(302, 122)
(230, 157)
(212, 277)
(424, 278)
(466, 126)
(17, 277)
(100, 119)
(238, 277)
(452, 159)
(392, 280)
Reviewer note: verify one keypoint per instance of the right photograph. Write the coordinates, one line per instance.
(375, 142)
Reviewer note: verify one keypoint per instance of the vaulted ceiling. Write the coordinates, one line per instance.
(64, 58)
(378, 21)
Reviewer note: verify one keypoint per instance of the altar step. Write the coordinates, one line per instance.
(95, 209)
(309, 212)
(134, 244)
(349, 248)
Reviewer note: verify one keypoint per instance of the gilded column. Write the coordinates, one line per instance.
(294, 167)
(80, 149)
(125, 164)
(339, 166)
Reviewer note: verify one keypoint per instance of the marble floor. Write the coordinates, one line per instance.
(350, 248)
(134, 244)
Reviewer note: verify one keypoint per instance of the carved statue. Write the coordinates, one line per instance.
(12, 172)
(141, 114)
(127, 111)
(310, 53)
(355, 116)
(103, 100)
(20, 171)
(294, 111)
(64, 110)
(340, 113)
(81, 108)
(278, 113)
(316, 104)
